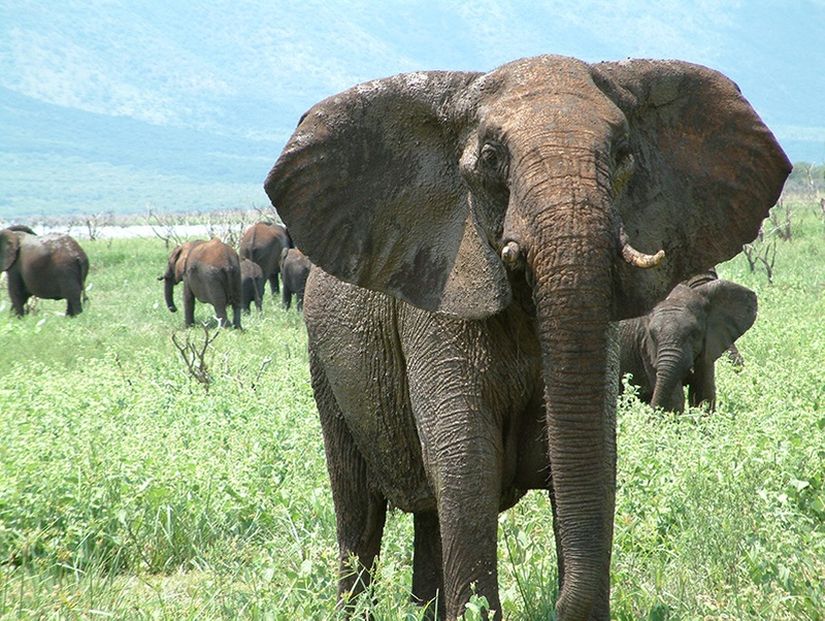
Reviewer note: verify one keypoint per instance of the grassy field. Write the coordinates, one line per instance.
(129, 491)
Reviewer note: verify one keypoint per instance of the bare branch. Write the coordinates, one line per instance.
(194, 355)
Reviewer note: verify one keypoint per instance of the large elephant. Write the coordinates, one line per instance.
(475, 234)
(262, 243)
(52, 267)
(294, 266)
(678, 342)
(211, 272)
(252, 284)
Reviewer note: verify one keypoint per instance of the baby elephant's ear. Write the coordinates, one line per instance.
(9, 247)
(731, 312)
(370, 189)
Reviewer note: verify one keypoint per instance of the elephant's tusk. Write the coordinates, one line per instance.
(510, 253)
(636, 258)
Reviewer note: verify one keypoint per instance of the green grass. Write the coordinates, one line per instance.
(128, 491)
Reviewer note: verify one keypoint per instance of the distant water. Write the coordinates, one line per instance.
(136, 230)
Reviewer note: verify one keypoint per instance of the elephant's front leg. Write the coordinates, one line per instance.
(360, 511)
(427, 580)
(18, 294)
(188, 305)
(463, 456)
(702, 387)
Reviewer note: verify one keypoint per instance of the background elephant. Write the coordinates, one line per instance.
(262, 243)
(252, 284)
(294, 266)
(53, 267)
(175, 269)
(211, 272)
(475, 234)
(678, 342)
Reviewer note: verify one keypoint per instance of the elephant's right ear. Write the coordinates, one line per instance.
(9, 247)
(731, 312)
(370, 190)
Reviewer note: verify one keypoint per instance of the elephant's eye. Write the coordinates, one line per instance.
(623, 164)
(492, 161)
(490, 155)
(621, 151)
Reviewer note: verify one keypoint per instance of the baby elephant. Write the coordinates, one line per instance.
(677, 344)
(294, 267)
(52, 267)
(252, 284)
(211, 272)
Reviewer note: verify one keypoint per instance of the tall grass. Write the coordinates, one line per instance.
(128, 491)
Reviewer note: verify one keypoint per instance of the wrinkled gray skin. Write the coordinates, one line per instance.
(448, 384)
(210, 272)
(678, 342)
(295, 267)
(262, 243)
(53, 267)
(252, 284)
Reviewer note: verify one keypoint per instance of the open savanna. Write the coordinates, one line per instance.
(130, 491)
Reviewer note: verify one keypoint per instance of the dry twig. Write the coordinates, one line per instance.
(194, 355)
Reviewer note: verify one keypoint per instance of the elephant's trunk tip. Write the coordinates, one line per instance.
(637, 258)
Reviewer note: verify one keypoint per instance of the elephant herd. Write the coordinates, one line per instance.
(214, 273)
(494, 250)
(55, 267)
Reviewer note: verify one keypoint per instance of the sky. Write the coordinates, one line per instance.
(246, 70)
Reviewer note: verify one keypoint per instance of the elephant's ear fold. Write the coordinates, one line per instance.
(9, 247)
(731, 312)
(370, 190)
(706, 171)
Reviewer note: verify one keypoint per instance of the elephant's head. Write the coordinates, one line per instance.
(688, 331)
(284, 254)
(9, 248)
(429, 185)
(175, 268)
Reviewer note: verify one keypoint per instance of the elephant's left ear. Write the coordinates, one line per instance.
(9, 247)
(706, 171)
(731, 312)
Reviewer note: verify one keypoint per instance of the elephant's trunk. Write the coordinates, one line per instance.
(670, 369)
(168, 287)
(571, 257)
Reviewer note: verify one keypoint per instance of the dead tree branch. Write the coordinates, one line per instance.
(194, 355)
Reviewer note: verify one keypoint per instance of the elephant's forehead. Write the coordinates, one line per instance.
(539, 74)
(544, 91)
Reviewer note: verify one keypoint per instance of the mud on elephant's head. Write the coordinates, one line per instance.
(432, 186)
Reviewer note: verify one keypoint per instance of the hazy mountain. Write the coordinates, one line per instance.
(117, 106)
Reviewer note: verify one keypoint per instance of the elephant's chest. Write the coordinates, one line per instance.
(417, 389)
